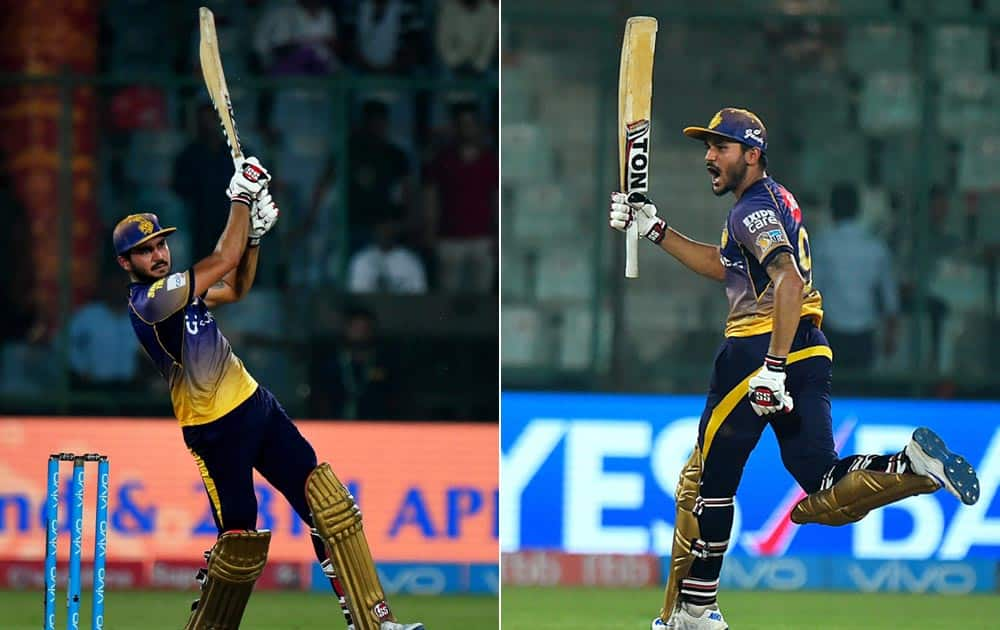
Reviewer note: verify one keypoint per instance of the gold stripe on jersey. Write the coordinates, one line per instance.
(762, 323)
(194, 406)
(740, 392)
(213, 492)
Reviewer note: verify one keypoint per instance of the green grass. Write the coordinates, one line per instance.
(267, 610)
(608, 609)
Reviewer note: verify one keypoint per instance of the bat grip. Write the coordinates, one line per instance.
(632, 251)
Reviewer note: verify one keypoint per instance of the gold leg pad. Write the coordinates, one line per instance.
(234, 564)
(686, 530)
(338, 522)
(857, 493)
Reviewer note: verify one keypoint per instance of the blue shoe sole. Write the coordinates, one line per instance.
(960, 473)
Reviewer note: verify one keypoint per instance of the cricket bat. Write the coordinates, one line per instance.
(215, 81)
(635, 97)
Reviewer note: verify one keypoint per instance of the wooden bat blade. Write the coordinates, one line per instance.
(635, 96)
(215, 80)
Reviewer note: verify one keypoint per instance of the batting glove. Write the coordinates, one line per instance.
(263, 215)
(767, 388)
(247, 182)
(636, 207)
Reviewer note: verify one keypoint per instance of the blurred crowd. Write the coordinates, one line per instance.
(883, 121)
(377, 119)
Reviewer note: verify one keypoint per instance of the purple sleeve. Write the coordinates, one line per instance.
(760, 231)
(164, 297)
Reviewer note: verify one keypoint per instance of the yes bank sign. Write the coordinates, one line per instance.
(596, 474)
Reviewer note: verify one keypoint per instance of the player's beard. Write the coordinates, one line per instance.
(732, 178)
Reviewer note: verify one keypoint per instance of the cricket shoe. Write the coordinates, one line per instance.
(392, 625)
(930, 457)
(691, 617)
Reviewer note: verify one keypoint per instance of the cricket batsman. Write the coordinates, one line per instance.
(774, 368)
(231, 424)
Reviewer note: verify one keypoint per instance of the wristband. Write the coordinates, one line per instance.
(775, 364)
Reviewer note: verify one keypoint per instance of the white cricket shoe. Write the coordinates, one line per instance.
(691, 617)
(930, 457)
(392, 625)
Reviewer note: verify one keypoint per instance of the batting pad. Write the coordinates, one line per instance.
(337, 519)
(856, 494)
(234, 564)
(686, 530)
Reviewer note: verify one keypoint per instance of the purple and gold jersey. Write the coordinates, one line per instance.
(765, 221)
(173, 324)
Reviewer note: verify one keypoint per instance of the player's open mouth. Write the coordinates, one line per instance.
(714, 172)
(159, 266)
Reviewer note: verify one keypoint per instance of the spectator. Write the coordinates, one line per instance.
(298, 38)
(386, 266)
(388, 35)
(201, 172)
(853, 272)
(380, 181)
(355, 379)
(466, 38)
(460, 199)
(103, 352)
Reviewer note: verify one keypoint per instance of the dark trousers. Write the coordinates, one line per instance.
(729, 431)
(258, 434)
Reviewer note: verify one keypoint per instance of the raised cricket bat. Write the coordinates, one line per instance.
(215, 81)
(635, 96)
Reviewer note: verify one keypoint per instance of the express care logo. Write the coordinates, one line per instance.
(637, 152)
(615, 485)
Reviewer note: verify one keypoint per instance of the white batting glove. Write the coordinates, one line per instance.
(248, 180)
(767, 388)
(263, 215)
(636, 207)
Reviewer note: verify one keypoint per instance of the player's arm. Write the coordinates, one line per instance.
(236, 283)
(701, 258)
(788, 285)
(767, 391)
(209, 271)
(244, 187)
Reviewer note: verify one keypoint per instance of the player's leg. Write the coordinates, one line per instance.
(223, 451)
(844, 490)
(285, 459)
(288, 461)
(728, 432)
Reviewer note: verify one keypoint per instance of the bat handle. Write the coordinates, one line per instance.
(632, 251)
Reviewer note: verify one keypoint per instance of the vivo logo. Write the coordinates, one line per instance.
(416, 580)
(905, 577)
(777, 574)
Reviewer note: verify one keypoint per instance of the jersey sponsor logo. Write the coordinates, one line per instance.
(193, 322)
(176, 281)
(769, 239)
(637, 151)
(756, 221)
(153, 288)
